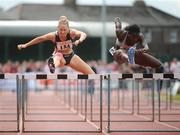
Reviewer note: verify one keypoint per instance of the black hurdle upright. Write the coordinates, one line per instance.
(169, 77)
(66, 77)
(5, 77)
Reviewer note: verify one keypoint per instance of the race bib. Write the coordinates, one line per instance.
(112, 50)
(64, 45)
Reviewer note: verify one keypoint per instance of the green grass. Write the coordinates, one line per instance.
(177, 97)
(163, 96)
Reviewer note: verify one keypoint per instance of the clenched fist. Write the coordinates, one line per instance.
(21, 46)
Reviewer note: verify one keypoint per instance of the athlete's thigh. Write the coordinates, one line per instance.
(79, 65)
(59, 60)
(145, 59)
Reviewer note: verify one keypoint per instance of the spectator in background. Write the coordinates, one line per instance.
(167, 67)
(1, 68)
(175, 66)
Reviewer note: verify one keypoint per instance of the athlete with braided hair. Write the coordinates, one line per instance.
(131, 47)
(63, 54)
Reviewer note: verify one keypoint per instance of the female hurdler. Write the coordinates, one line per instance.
(126, 48)
(132, 48)
(63, 47)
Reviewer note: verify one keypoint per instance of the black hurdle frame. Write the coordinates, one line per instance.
(43, 76)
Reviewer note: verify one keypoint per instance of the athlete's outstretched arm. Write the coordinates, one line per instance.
(49, 36)
(81, 35)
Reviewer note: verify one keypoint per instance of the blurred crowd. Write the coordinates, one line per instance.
(98, 66)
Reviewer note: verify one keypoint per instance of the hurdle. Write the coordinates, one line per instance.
(7, 81)
(83, 115)
(66, 99)
(169, 106)
(168, 98)
(134, 77)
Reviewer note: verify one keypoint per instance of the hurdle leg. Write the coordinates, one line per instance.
(18, 101)
(109, 105)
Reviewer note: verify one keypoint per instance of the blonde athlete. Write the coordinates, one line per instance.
(63, 47)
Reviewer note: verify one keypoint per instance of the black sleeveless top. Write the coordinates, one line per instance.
(62, 45)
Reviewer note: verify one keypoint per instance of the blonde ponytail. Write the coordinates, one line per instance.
(63, 21)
